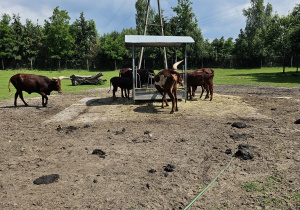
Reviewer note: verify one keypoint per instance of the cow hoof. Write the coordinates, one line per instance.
(171, 112)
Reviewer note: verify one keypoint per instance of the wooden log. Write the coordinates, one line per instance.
(86, 80)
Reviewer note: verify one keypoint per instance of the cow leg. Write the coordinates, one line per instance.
(16, 96)
(202, 87)
(128, 92)
(194, 88)
(164, 99)
(211, 89)
(44, 100)
(114, 92)
(173, 101)
(175, 97)
(122, 94)
(163, 93)
(21, 96)
(207, 91)
(44, 96)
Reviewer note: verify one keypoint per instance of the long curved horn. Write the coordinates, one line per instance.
(63, 77)
(176, 64)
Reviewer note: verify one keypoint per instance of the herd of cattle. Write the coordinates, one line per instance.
(166, 82)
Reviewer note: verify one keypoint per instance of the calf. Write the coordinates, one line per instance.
(166, 82)
(34, 83)
(123, 83)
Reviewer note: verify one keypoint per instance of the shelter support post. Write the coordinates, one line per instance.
(133, 75)
(185, 73)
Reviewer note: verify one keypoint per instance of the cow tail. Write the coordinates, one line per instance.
(9, 87)
(109, 86)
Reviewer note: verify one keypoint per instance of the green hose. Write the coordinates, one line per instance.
(188, 206)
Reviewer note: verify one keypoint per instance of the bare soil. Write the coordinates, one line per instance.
(109, 154)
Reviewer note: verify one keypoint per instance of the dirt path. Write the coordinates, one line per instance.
(136, 142)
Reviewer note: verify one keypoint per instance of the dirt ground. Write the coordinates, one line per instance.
(146, 158)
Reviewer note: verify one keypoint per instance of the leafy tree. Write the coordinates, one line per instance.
(186, 24)
(294, 38)
(57, 35)
(85, 34)
(18, 37)
(32, 41)
(258, 17)
(278, 34)
(241, 49)
(6, 41)
(207, 52)
(141, 9)
(113, 47)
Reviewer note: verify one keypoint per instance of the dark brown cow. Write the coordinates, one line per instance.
(203, 78)
(166, 82)
(34, 83)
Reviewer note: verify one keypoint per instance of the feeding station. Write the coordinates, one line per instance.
(149, 92)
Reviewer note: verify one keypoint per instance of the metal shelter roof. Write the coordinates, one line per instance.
(156, 41)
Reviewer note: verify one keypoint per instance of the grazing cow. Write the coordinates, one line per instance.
(203, 78)
(123, 83)
(143, 75)
(166, 82)
(34, 83)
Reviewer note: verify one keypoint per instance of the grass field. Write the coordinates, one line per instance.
(264, 76)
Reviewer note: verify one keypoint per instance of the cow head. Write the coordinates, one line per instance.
(57, 83)
(180, 80)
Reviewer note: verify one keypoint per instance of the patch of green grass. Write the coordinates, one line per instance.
(263, 76)
(67, 87)
(270, 192)
(266, 76)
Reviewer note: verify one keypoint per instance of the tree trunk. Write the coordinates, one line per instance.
(297, 62)
(283, 64)
(87, 65)
(58, 64)
(115, 65)
(2, 64)
(292, 61)
(31, 64)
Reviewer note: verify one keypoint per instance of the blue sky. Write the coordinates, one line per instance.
(216, 18)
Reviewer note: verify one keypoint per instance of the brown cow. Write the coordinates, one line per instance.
(34, 83)
(166, 82)
(203, 78)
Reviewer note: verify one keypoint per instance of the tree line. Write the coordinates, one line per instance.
(266, 40)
